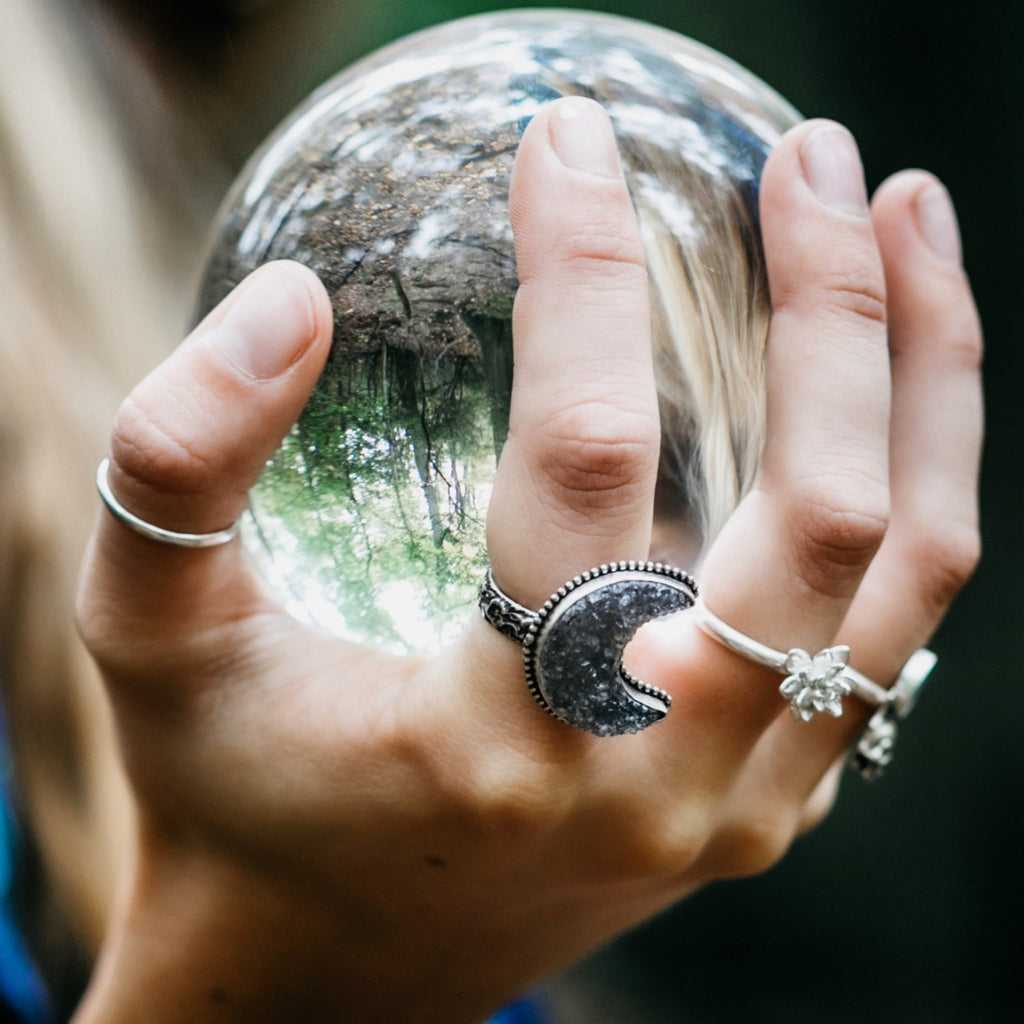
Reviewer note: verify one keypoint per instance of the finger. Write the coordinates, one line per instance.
(576, 479)
(189, 443)
(933, 544)
(749, 837)
(820, 504)
(788, 562)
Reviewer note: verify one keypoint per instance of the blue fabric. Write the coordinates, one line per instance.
(524, 1012)
(22, 996)
(21, 992)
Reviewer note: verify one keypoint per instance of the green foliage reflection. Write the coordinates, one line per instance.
(376, 500)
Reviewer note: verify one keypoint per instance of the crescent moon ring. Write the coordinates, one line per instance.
(572, 646)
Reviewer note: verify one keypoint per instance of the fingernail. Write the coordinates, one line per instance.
(270, 325)
(937, 223)
(581, 135)
(833, 169)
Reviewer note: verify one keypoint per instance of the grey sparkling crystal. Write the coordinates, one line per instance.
(575, 662)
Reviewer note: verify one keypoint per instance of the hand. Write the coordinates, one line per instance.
(326, 832)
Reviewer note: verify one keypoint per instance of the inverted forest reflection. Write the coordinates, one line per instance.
(391, 183)
(383, 486)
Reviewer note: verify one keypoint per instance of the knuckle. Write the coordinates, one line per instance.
(515, 809)
(966, 347)
(857, 296)
(147, 450)
(839, 527)
(501, 801)
(89, 623)
(603, 238)
(651, 844)
(853, 294)
(753, 845)
(944, 558)
(608, 264)
(959, 335)
(601, 248)
(601, 252)
(100, 625)
(672, 847)
(596, 455)
(821, 801)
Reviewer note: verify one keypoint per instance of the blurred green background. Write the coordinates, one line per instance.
(906, 906)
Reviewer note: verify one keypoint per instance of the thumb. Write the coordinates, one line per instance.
(188, 444)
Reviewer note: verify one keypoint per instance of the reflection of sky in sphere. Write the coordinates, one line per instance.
(391, 182)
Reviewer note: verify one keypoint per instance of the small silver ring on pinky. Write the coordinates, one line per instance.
(158, 533)
(572, 646)
(872, 753)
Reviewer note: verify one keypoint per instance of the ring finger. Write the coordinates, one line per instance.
(932, 544)
(790, 559)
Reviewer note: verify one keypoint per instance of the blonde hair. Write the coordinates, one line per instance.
(710, 312)
(95, 282)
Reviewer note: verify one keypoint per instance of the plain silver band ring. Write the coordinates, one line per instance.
(158, 533)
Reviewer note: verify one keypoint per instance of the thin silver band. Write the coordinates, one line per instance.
(158, 533)
(904, 692)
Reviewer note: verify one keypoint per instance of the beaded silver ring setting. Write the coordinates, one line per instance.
(572, 646)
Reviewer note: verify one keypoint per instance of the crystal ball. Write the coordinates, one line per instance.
(391, 183)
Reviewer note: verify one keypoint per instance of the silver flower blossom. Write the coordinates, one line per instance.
(816, 683)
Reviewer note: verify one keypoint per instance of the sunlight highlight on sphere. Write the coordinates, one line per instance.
(391, 183)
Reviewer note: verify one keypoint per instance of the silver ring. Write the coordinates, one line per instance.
(158, 533)
(873, 752)
(814, 684)
(817, 683)
(572, 646)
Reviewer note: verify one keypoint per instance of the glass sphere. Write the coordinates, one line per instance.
(391, 183)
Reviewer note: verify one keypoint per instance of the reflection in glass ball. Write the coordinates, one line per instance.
(391, 182)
